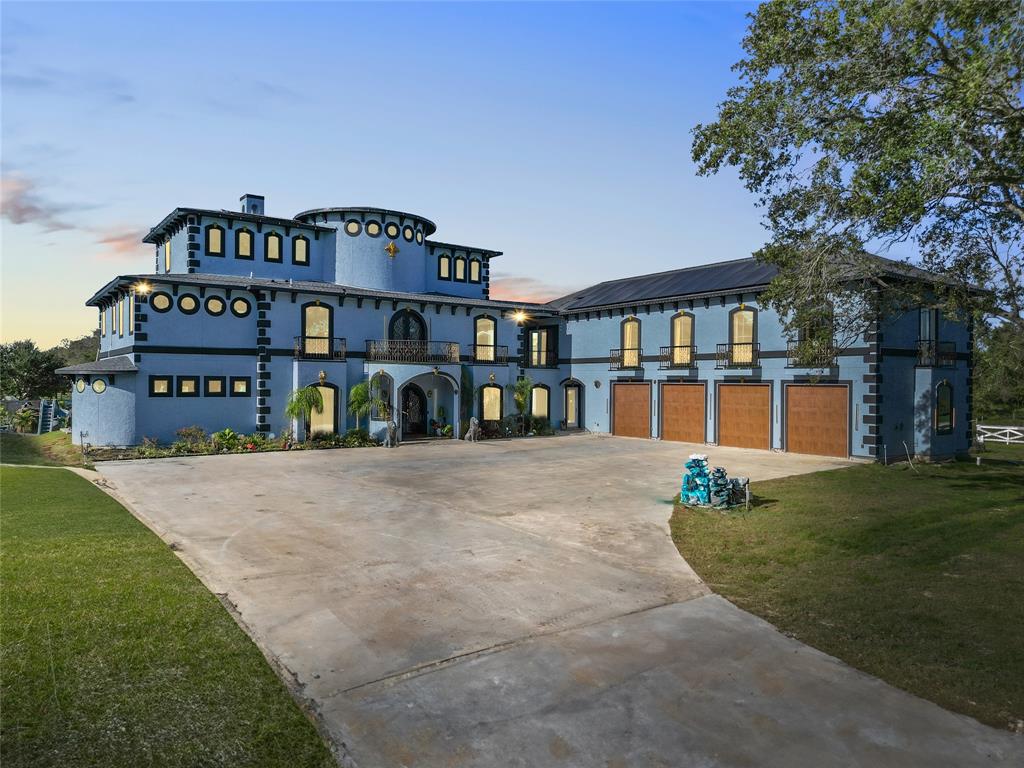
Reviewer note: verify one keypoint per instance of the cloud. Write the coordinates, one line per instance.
(121, 243)
(89, 85)
(526, 289)
(21, 204)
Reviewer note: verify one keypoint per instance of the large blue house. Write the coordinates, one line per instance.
(242, 308)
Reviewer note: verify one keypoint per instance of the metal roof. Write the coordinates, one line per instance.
(118, 364)
(175, 217)
(737, 275)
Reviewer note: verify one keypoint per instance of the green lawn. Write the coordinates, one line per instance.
(114, 654)
(52, 449)
(915, 577)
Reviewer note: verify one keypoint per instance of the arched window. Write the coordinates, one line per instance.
(682, 340)
(214, 240)
(272, 247)
(540, 401)
(407, 325)
(316, 330)
(300, 250)
(630, 343)
(486, 329)
(460, 268)
(490, 403)
(743, 337)
(944, 412)
(243, 244)
(382, 386)
(444, 267)
(474, 270)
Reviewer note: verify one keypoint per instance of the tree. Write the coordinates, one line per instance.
(84, 349)
(860, 123)
(364, 398)
(302, 402)
(26, 372)
(998, 384)
(522, 390)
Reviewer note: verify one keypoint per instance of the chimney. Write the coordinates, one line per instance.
(252, 204)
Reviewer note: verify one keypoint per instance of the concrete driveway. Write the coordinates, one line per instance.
(520, 603)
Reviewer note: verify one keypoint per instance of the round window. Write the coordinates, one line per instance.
(419, 236)
(240, 307)
(353, 228)
(99, 386)
(188, 304)
(80, 385)
(373, 228)
(407, 233)
(215, 305)
(391, 230)
(160, 301)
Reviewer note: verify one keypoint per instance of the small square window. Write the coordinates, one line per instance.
(216, 386)
(188, 386)
(240, 386)
(160, 386)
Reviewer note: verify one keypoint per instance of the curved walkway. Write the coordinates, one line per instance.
(520, 603)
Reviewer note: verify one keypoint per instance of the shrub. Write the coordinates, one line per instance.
(226, 440)
(326, 440)
(25, 419)
(358, 438)
(193, 437)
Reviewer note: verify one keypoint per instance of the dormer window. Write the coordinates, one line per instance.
(444, 267)
(272, 247)
(474, 271)
(300, 250)
(214, 240)
(460, 269)
(243, 244)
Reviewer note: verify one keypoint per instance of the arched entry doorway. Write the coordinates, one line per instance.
(414, 411)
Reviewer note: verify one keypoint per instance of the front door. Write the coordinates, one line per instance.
(414, 411)
(572, 407)
(322, 422)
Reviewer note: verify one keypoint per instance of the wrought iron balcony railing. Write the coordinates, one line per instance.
(808, 353)
(540, 358)
(320, 348)
(678, 357)
(625, 359)
(489, 353)
(411, 351)
(936, 354)
(740, 355)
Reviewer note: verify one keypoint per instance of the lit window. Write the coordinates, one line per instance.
(103, 322)
(160, 386)
(188, 386)
(188, 304)
(540, 346)
(160, 301)
(119, 309)
(460, 269)
(943, 407)
(273, 247)
(99, 386)
(408, 234)
(353, 228)
(490, 396)
(214, 386)
(539, 402)
(80, 386)
(682, 339)
(300, 250)
(391, 230)
(131, 314)
(373, 228)
(742, 336)
(316, 330)
(485, 337)
(444, 267)
(240, 307)
(215, 305)
(239, 386)
(214, 240)
(419, 236)
(167, 255)
(630, 343)
(243, 244)
(474, 271)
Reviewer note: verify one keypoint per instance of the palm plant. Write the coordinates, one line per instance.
(302, 402)
(364, 398)
(521, 392)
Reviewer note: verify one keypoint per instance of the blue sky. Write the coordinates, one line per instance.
(557, 133)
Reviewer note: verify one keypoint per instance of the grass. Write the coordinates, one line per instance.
(53, 449)
(114, 654)
(914, 577)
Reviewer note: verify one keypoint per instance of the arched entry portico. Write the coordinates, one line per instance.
(428, 402)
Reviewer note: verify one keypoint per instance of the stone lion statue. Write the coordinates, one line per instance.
(473, 433)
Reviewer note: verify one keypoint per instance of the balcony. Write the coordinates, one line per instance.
(320, 348)
(808, 353)
(936, 354)
(625, 359)
(540, 358)
(742, 355)
(489, 353)
(678, 357)
(410, 351)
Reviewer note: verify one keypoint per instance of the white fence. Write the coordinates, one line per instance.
(993, 434)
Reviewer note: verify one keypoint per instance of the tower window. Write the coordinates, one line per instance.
(272, 247)
(243, 244)
(300, 251)
(444, 267)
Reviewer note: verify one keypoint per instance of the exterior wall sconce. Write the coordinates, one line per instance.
(323, 377)
(490, 378)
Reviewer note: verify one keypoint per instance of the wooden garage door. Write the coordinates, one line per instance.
(744, 415)
(682, 412)
(631, 410)
(817, 419)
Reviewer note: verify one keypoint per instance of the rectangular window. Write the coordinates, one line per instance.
(167, 256)
(539, 348)
(444, 267)
(491, 403)
(240, 386)
(928, 320)
(273, 248)
(214, 241)
(944, 408)
(119, 309)
(300, 251)
(188, 386)
(460, 269)
(216, 386)
(103, 322)
(160, 386)
(243, 244)
(131, 314)
(474, 271)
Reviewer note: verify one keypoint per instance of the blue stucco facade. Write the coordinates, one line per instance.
(242, 308)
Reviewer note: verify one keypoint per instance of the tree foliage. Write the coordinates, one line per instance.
(84, 349)
(364, 398)
(27, 372)
(872, 123)
(999, 383)
(302, 402)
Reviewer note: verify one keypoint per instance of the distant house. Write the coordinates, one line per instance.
(243, 307)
